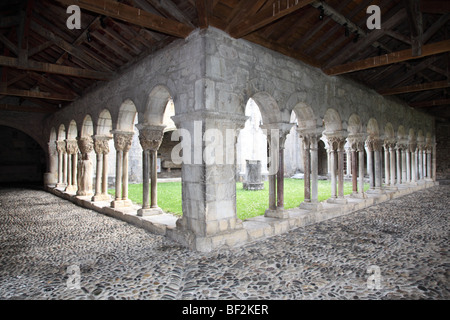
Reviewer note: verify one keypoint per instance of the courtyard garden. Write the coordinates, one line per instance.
(248, 203)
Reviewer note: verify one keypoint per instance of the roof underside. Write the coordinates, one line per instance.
(45, 66)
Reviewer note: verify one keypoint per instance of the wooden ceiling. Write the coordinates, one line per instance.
(45, 66)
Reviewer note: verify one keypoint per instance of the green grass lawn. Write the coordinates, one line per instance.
(249, 203)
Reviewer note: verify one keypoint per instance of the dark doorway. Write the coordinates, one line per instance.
(22, 160)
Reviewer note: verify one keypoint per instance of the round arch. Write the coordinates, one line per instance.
(127, 116)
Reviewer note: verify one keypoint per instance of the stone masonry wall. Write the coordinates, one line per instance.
(443, 151)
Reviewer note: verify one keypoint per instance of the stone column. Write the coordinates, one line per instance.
(428, 151)
(307, 167)
(72, 151)
(61, 148)
(348, 154)
(420, 161)
(314, 149)
(122, 143)
(408, 164)
(387, 165)
(392, 163)
(412, 150)
(150, 138)
(433, 172)
(65, 167)
(360, 149)
(404, 175)
(377, 164)
(311, 164)
(369, 147)
(337, 143)
(357, 146)
(398, 148)
(51, 176)
(86, 145)
(280, 131)
(209, 180)
(101, 147)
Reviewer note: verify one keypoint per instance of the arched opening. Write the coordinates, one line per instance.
(167, 169)
(22, 159)
(128, 153)
(252, 142)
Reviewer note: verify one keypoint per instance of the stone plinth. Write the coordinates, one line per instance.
(253, 178)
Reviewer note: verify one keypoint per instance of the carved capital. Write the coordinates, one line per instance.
(122, 140)
(86, 145)
(336, 143)
(281, 129)
(61, 146)
(151, 137)
(71, 146)
(101, 144)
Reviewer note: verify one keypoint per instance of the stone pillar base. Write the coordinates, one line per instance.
(278, 214)
(101, 197)
(375, 191)
(121, 203)
(391, 188)
(61, 186)
(337, 201)
(149, 212)
(359, 195)
(50, 179)
(71, 189)
(314, 206)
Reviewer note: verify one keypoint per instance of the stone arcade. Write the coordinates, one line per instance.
(210, 76)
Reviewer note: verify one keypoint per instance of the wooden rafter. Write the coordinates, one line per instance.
(37, 66)
(267, 15)
(133, 15)
(415, 88)
(394, 57)
(20, 108)
(35, 94)
(432, 103)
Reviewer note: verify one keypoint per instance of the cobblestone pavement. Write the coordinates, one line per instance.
(41, 236)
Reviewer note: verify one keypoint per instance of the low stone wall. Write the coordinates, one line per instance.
(253, 229)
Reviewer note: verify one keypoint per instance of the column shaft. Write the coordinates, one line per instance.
(146, 179)
(119, 166)
(154, 177)
(105, 175)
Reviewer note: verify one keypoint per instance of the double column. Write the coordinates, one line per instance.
(276, 136)
(61, 149)
(101, 147)
(357, 155)
(150, 137)
(374, 165)
(122, 143)
(336, 143)
(72, 157)
(311, 167)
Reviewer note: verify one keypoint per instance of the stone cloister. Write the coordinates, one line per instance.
(210, 77)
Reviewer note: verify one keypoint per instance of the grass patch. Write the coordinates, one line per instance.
(248, 203)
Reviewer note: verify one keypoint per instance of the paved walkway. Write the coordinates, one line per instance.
(405, 239)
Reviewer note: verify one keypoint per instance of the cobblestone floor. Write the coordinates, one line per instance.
(41, 236)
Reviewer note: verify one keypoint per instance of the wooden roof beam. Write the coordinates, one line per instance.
(34, 94)
(431, 103)
(37, 66)
(415, 88)
(267, 15)
(19, 108)
(386, 59)
(133, 15)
